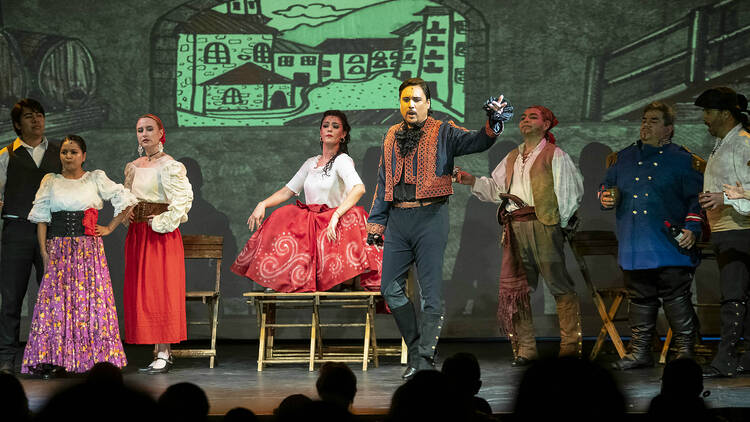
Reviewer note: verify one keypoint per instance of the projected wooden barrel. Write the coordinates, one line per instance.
(61, 69)
(13, 78)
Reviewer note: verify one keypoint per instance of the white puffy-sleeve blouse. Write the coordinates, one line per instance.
(330, 189)
(165, 183)
(56, 193)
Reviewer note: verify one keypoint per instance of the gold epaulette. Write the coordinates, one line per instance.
(699, 164)
(611, 159)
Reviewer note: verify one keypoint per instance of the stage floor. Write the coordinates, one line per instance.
(235, 380)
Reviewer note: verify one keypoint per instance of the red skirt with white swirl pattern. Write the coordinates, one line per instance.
(290, 251)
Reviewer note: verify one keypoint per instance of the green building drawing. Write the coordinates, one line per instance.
(233, 68)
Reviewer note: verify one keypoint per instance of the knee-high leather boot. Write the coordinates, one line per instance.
(642, 328)
(732, 325)
(569, 314)
(428, 339)
(682, 319)
(522, 338)
(406, 320)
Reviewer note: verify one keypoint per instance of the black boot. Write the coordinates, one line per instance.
(682, 319)
(642, 327)
(732, 326)
(430, 334)
(406, 320)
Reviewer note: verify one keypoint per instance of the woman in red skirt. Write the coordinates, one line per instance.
(154, 296)
(314, 246)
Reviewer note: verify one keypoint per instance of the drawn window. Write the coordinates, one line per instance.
(236, 5)
(262, 53)
(286, 60)
(409, 45)
(461, 27)
(357, 70)
(216, 53)
(460, 49)
(308, 60)
(232, 96)
(459, 76)
(356, 58)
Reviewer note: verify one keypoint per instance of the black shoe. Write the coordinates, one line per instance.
(152, 371)
(632, 361)
(409, 373)
(52, 372)
(520, 361)
(712, 372)
(7, 367)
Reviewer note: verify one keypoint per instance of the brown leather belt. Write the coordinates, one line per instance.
(416, 204)
(144, 209)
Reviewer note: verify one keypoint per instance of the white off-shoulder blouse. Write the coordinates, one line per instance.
(328, 189)
(56, 193)
(165, 183)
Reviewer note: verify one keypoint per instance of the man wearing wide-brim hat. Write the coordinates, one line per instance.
(727, 206)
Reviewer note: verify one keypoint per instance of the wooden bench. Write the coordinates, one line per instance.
(268, 304)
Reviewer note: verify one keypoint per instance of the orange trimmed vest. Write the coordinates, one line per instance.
(429, 185)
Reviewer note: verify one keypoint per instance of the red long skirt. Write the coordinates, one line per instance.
(290, 251)
(154, 293)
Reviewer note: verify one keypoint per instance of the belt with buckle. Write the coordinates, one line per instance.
(416, 204)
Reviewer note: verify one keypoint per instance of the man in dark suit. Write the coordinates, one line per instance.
(23, 164)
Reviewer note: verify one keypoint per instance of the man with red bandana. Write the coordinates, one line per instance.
(539, 189)
(410, 210)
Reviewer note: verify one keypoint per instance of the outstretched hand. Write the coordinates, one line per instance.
(734, 192)
(462, 177)
(331, 230)
(253, 222)
(497, 109)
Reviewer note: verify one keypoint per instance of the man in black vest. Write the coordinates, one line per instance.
(23, 163)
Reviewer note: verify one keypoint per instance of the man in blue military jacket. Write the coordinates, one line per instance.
(651, 184)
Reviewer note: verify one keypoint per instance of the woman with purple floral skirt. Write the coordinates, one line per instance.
(75, 320)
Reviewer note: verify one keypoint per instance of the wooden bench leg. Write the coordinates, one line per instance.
(373, 337)
(366, 348)
(262, 339)
(214, 324)
(313, 330)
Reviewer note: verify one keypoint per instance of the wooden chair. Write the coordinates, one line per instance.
(204, 247)
(600, 243)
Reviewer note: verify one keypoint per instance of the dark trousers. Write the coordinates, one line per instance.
(646, 287)
(20, 251)
(415, 235)
(732, 249)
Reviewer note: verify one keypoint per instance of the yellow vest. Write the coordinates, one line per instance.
(542, 183)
